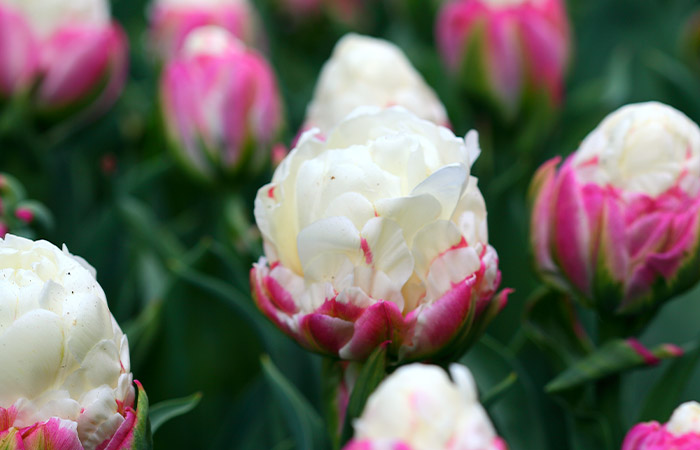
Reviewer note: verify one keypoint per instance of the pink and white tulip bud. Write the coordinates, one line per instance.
(618, 223)
(682, 432)
(377, 233)
(173, 20)
(72, 50)
(418, 407)
(220, 105)
(365, 71)
(65, 381)
(508, 53)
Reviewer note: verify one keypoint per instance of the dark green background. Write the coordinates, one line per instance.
(147, 227)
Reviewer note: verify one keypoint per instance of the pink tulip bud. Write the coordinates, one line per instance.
(26, 215)
(173, 20)
(70, 50)
(505, 51)
(682, 432)
(376, 235)
(83, 64)
(220, 104)
(618, 223)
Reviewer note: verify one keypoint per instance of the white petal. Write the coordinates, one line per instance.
(447, 186)
(431, 241)
(387, 250)
(30, 355)
(410, 213)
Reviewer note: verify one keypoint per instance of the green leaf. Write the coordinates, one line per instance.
(371, 374)
(240, 301)
(498, 391)
(146, 227)
(666, 393)
(169, 409)
(303, 420)
(514, 409)
(552, 324)
(142, 437)
(612, 358)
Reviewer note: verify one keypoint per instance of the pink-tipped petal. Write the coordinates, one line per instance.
(571, 237)
(52, 435)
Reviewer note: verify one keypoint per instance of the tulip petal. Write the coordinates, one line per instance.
(32, 349)
(379, 323)
(18, 53)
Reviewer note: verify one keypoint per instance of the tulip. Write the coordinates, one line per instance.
(365, 71)
(377, 234)
(172, 20)
(71, 50)
(617, 223)
(419, 408)
(220, 105)
(682, 432)
(65, 381)
(511, 54)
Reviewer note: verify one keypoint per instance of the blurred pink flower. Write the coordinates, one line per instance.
(618, 223)
(220, 105)
(72, 51)
(506, 50)
(173, 20)
(682, 432)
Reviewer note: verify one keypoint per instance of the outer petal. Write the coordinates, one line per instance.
(541, 196)
(572, 235)
(52, 435)
(379, 323)
(19, 60)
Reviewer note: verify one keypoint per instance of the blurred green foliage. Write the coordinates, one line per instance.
(173, 256)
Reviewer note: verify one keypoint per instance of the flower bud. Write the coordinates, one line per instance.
(71, 49)
(220, 105)
(682, 432)
(173, 20)
(377, 233)
(419, 408)
(65, 380)
(17, 214)
(365, 71)
(507, 53)
(617, 223)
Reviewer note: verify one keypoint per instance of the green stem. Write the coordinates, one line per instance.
(608, 389)
(608, 394)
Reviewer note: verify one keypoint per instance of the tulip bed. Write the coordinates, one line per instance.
(350, 224)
